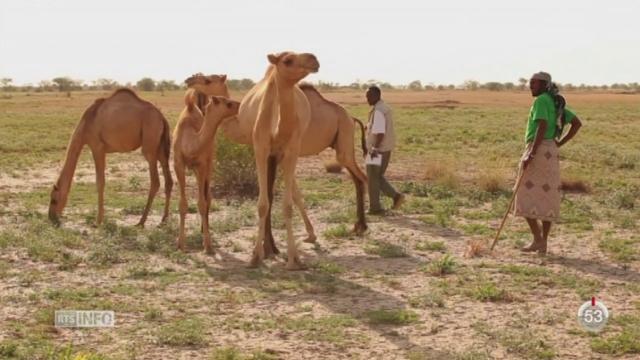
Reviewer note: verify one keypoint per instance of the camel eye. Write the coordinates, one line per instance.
(288, 62)
(207, 81)
(229, 105)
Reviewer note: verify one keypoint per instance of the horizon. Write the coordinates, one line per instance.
(494, 41)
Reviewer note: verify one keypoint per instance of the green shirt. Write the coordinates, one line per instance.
(543, 108)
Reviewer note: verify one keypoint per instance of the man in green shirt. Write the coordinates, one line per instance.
(538, 197)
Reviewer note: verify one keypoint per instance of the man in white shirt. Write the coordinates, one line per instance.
(381, 140)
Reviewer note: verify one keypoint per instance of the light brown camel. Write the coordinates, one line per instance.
(194, 148)
(330, 126)
(280, 113)
(121, 122)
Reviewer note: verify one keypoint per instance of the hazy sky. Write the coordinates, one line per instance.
(444, 42)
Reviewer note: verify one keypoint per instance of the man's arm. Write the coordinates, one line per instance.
(575, 126)
(542, 127)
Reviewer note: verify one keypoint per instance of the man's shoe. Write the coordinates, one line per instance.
(398, 200)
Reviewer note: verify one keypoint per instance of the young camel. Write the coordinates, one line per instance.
(280, 113)
(330, 126)
(121, 122)
(194, 148)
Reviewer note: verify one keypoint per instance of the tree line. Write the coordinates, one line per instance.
(67, 84)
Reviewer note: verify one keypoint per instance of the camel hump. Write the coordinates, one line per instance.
(309, 87)
(125, 91)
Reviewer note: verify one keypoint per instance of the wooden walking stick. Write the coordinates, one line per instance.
(513, 197)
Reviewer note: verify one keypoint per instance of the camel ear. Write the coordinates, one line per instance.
(274, 58)
(215, 100)
(223, 78)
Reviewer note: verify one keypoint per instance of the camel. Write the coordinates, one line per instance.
(194, 148)
(330, 126)
(121, 122)
(280, 114)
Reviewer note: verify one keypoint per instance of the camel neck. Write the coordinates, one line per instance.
(70, 162)
(207, 132)
(286, 105)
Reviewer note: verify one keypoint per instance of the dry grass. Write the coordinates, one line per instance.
(476, 248)
(442, 173)
(492, 182)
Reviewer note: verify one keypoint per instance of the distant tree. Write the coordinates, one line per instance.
(167, 85)
(243, 84)
(441, 87)
(493, 86)
(471, 85)
(66, 84)
(386, 86)
(568, 87)
(146, 84)
(451, 87)
(415, 85)
(6, 84)
(325, 86)
(509, 86)
(522, 83)
(105, 84)
(354, 85)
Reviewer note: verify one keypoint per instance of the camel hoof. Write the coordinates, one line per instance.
(140, 225)
(311, 239)
(295, 265)
(180, 245)
(209, 250)
(360, 228)
(255, 262)
(270, 251)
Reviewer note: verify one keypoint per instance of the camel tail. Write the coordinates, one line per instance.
(166, 137)
(363, 141)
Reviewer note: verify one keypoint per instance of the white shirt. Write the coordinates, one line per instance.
(379, 123)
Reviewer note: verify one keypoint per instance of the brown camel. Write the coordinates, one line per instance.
(121, 122)
(330, 126)
(194, 148)
(280, 113)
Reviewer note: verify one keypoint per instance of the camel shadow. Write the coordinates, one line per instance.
(595, 267)
(339, 295)
(417, 225)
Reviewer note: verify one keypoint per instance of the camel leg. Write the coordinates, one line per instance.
(261, 156)
(178, 167)
(99, 159)
(153, 188)
(360, 181)
(203, 208)
(168, 186)
(270, 248)
(297, 199)
(288, 170)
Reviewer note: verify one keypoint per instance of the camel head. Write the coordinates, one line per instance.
(294, 67)
(210, 85)
(56, 204)
(220, 108)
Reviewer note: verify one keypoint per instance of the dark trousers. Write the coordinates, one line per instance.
(378, 183)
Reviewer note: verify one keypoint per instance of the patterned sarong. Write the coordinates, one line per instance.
(539, 194)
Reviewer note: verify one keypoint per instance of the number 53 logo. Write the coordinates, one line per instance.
(593, 315)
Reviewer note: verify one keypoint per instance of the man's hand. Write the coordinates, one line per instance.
(559, 143)
(374, 152)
